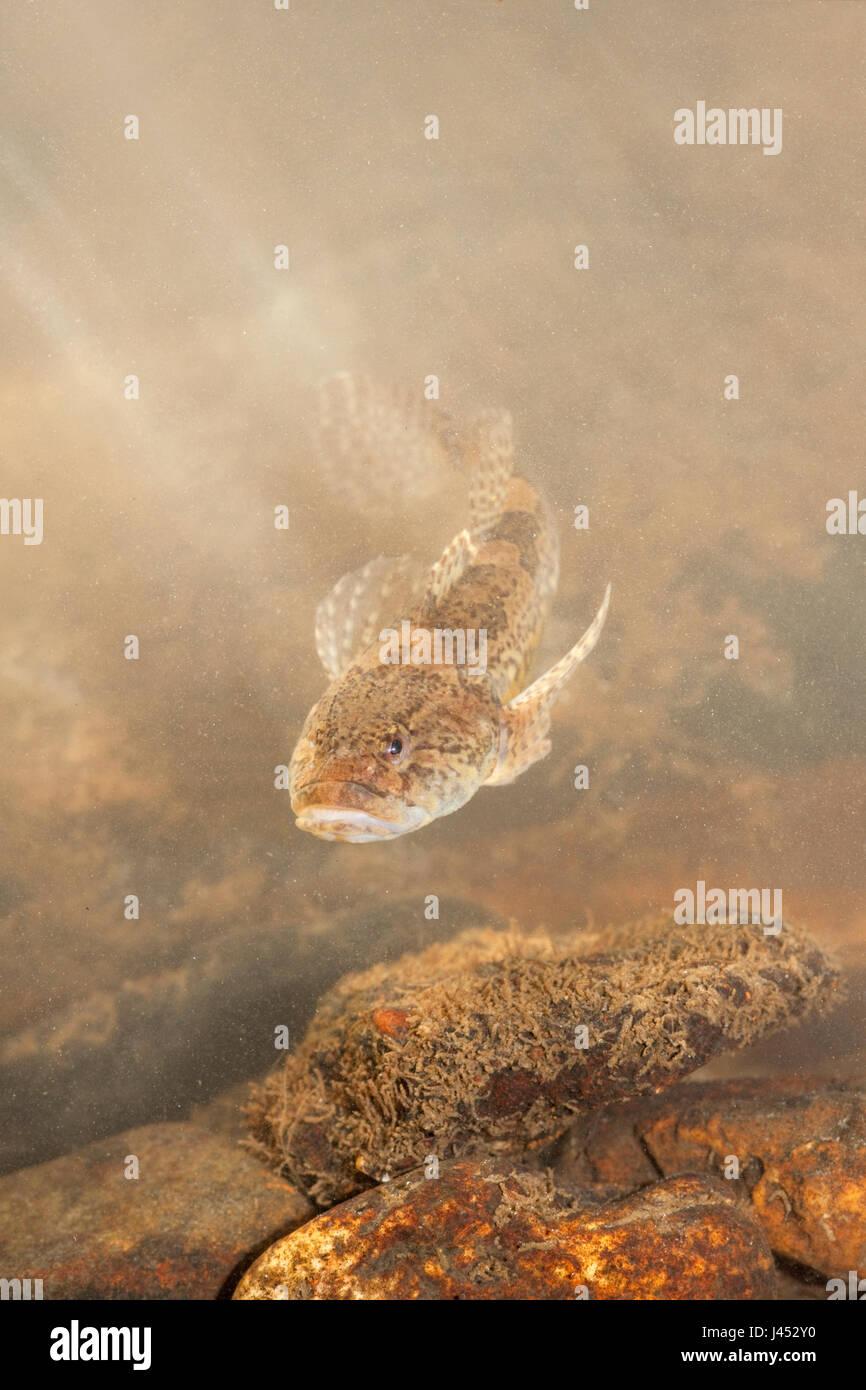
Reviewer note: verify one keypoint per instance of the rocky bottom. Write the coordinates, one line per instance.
(498, 1118)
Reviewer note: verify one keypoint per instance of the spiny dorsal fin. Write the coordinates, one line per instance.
(490, 455)
(455, 559)
(360, 605)
(526, 720)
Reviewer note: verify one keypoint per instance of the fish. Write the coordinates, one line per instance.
(407, 731)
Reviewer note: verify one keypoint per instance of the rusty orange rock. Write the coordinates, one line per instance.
(799, 1152)
(494, 1232)
(197, 1208)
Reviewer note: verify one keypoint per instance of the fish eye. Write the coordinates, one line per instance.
(396, 748)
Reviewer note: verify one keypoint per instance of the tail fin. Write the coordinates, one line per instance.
(374, 442)
(489, 453)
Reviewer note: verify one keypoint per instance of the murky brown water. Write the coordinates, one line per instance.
(410, 257)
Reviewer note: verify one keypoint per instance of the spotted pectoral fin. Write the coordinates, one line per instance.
(455, 559)
(526, 720)
(490, 456)
(360, 605)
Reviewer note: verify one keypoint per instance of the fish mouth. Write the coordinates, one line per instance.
(353, 812)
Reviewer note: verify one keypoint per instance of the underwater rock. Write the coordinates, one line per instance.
(493, 1231)
(198, 1207)
(496, 1040)
(800, 1153)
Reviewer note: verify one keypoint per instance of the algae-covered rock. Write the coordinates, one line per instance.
(493, 1231)
(495, 1040)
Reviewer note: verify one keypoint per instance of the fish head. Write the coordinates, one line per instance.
(388, 749)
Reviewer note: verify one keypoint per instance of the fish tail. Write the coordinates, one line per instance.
(489, 456)
(374, 441)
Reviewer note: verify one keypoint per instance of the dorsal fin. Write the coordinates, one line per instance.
(490, 456)
(360, 604)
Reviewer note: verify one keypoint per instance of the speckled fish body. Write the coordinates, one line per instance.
(393, 745)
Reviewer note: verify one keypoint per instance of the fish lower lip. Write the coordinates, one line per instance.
(356, 825)
(338, 823)
(346, 810)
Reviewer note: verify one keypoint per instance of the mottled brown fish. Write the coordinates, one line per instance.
(408, 731)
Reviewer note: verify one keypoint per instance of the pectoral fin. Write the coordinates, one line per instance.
(526, 720)
(360, 605)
